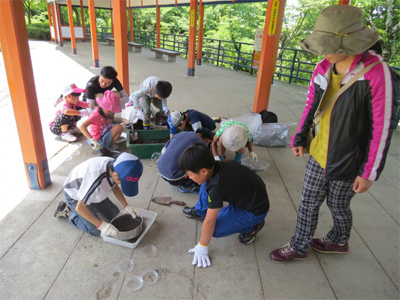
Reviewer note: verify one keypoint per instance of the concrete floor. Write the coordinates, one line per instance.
(42, 257)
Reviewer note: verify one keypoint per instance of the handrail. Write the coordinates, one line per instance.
(292, 65)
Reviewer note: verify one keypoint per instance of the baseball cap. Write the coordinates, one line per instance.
(129, 169)
(72, 89)
(234, 137)
(174, 120)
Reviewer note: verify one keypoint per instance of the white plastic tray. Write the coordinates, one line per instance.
(257, 166)
(149, 218)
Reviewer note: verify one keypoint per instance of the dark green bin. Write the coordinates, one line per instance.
(146, 150)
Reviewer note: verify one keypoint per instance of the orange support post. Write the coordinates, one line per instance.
(192, 38)
(55, 23)
(121, 43)
(200, 38)
(93, 32)
(49, 14)
(18, 65)
(158, 26)
(344, 2)
(269, 52)
(71, 27)
(130, 22)
(83, 22)
(112, 23)
(57, 9)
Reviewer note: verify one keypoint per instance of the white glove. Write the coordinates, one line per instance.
(253, 156)
(200, 256)
(95, 144)
(89, 110)
(217, 158)
(165, 109)
(130, 209)
(107, 229)
(83, 112)
(139, 114)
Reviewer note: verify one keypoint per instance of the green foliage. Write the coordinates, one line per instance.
(38, 31)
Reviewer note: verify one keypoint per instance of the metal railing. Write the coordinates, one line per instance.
(292, 65)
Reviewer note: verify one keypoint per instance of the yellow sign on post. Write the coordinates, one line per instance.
(192, 17)
(274, 17)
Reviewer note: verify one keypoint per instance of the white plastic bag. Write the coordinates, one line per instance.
(272, 134)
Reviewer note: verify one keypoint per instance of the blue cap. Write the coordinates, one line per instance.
(129, 169)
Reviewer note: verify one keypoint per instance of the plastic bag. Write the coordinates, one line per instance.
(272, 134)
(252, 121)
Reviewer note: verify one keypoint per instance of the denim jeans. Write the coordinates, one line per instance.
(231, 219)
(105, 210)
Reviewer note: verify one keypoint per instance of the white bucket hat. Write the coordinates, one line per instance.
(340, 30)
(234, 138)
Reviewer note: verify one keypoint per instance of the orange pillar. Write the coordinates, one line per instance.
(121, 42)
(93, 32)
(49, 14)
(83, 22)
(192, 38)
(18, 65)
(130, 22)
(112, 23)
(269, 52)
(58, 24)
(55, 23)
(344, 2)
(71, 27)
(200, 38)
(158, 26)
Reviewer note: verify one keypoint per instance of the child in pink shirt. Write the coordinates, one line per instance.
(101, 133)
(68, 113)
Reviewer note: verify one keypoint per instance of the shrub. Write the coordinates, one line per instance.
(38, 31)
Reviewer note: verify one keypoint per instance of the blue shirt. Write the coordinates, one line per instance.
(167, 165)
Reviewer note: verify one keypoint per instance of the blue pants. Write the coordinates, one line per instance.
(105, 208)
(231, 219)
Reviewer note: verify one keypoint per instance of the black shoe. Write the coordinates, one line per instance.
(62, 210)
(191, 188)
(190, 212)
(248, 237)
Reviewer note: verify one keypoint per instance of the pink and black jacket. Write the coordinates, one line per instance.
(362, 119)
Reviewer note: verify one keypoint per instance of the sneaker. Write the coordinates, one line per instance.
(74, 130)
(238, 157)
(194, 189)
(285, 254)
(128, 126)
(324, 245)
(62, 210)
(146, 127)
(68, 137)
(248, 237)
(190, 212)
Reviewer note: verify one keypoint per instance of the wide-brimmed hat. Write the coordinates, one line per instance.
(340, 30)
(110, 101)
(234, 137)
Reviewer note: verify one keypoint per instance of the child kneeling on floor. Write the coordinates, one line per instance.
(233, 136)
(101, 133)
(240, 187)
(69, 110)
(87, 187)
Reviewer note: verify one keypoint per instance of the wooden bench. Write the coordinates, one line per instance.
(136, 47)
(110, 41)
(159, 52)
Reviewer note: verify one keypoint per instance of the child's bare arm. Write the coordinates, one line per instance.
(84, 129)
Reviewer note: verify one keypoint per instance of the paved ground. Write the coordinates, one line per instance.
(46, 258)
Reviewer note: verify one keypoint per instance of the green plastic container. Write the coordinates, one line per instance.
(146, 150)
